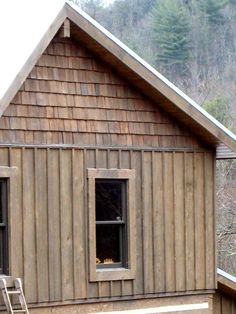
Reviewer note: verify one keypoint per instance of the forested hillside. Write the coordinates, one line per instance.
(193, 44)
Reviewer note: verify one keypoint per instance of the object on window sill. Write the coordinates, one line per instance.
(108, 261)
(105, 261)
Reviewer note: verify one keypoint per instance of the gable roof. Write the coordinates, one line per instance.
(84, 29)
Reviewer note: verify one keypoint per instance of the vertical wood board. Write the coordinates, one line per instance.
(66, 230)
(41, 216)
(54, 221)
(29, 224)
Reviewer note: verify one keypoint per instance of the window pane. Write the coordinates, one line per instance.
(1, 250)
(108, 243)
(109, 200)
(3, 227)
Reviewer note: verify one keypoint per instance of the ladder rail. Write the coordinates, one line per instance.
(18, 285)
(6, 298)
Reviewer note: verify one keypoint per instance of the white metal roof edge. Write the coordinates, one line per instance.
(226, 275)
(151, 69)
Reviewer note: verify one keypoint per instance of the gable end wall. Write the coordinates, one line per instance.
(70, 97)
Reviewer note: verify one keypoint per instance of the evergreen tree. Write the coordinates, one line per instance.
(170, 23)
(213, 10)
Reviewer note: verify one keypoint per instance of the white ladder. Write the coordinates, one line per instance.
(10, 290)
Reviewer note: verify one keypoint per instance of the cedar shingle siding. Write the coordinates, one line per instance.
(70, 97)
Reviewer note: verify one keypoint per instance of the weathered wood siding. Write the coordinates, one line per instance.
(224, 304)
(48, 221)
(71, 97)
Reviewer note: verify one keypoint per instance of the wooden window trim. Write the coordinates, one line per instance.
(9, 173)
(117, 273)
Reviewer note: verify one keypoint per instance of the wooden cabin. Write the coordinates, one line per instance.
(107, 176)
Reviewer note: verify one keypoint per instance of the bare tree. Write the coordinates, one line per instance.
(226, 215)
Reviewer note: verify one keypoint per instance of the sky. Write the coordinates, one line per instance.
(22, 24)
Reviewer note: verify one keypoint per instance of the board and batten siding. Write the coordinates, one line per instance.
(224, 304)
(175, 249)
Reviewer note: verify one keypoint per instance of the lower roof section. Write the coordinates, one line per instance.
(223, 152)
(226, 283)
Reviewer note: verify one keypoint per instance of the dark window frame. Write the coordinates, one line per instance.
(123, 241)
(4, 263)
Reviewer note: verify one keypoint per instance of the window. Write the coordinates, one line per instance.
(3, 227)
(111, 219)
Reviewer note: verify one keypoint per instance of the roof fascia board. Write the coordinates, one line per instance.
(150, 75)
(32, 60)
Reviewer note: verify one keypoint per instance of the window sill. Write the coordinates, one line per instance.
(106, 274)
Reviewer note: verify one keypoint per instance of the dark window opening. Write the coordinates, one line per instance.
(111, 223)
(3, 227)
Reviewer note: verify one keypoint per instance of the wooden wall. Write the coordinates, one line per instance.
(224, 304)
(48, 221)
(71, 97)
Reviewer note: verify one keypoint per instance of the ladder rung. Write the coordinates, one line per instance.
(19, 311)
(13, 292)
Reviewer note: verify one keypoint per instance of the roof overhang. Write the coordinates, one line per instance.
(156, 87)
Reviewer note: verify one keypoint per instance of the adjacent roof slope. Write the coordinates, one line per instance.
(223, 152)
(84, 29)
(226, 283)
